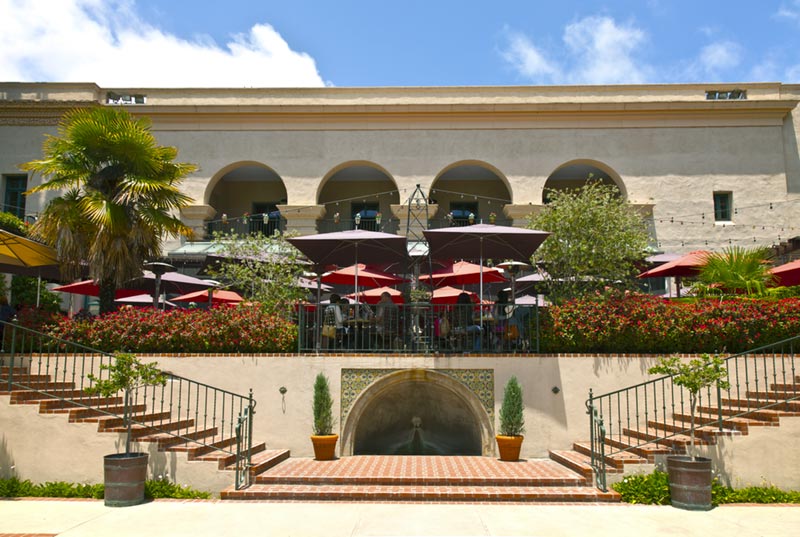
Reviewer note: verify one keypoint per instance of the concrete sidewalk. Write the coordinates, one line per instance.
(73, 518)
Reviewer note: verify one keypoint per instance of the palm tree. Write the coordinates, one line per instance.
(120, 193)
(738, 270)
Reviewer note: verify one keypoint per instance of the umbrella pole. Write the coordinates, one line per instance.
(38, 289)
(158, 291)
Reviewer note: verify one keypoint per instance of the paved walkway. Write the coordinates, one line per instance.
(90, 518)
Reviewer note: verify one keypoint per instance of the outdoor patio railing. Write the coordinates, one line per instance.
(654, 413)
(419, 328)
(181, 411)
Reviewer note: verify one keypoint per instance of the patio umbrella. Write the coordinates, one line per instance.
(463, 273)
(488, 240)
(20, 255)
(373, 296)
(367, 277)
(788, 274)
(142, 300)
(171, 282)
(218, 296)
(449, 295)
(686, 265)
(346, 248)
(89, 288)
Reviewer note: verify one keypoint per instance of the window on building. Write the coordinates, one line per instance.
(266, 218)
(723, 206)
(116, 98)
(14, 197)
(460, 211)
(364, 215)
(726, 95)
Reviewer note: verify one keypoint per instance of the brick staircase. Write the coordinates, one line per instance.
(159, 428)
(417, 478)
(629, 449)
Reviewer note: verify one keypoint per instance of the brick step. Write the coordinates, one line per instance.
(29, 397)
(43, 385)
(196, 449)
(680, 431)
(742, 424)
(647, 451)
(18, 370)
(780, 405)
(762, 414)
(263, 461)
(227, 461)
(786, 387)
(772, 395)
(139, 430)
(22, 375)
(165, 440)
(107, 416)
(417, 493)
(579, 463)
(56, 406)
(616, 460)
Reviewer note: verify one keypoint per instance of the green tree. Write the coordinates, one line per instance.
(322, 406)
(512, 417)
(119, 193)
(597, 240)
(737, 270)
(263, 268)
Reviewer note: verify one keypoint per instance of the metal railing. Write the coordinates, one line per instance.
(656, 412)
(182, 411)
(247, 225)
(417, 328)
(386, 225)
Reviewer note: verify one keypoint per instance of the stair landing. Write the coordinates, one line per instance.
(387, 478)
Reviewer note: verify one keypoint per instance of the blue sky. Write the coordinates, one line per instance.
(238, 43)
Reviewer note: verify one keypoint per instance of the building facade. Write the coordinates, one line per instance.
(707, 165)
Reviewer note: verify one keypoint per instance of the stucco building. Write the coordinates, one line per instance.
(709, 165)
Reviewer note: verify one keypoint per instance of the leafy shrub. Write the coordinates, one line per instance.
(16, 488)
(637, 323)
(240, 329)
(653, 489)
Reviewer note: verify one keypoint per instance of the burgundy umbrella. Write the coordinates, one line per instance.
(345, 248)
(449, 295)
(686, 265)
(367, 277)
(89, 288)
(218, 296)
(788, 274)
(373, 296)
(484, 241)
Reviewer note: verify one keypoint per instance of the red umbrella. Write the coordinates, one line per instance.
(687, 265)
(218, 296)
(373, 296)
(788, 274)
(463, 273)
(449, 295)
(367, 277)
(89, 288)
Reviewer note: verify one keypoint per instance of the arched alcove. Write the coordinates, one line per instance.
(357, 187)
(576, 173)
(417, 411)
(470, 186)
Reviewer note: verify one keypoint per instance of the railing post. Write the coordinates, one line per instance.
(719, 406)
(13, 351)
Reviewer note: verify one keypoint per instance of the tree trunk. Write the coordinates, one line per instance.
(107, 291)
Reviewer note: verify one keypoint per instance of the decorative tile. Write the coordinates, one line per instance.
(478, 381)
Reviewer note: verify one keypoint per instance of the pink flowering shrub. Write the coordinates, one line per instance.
(635, 323)
(241, 329)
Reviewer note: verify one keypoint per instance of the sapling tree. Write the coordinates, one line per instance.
(126, 373)
(322, 406)
(512, 419)
(695, 375)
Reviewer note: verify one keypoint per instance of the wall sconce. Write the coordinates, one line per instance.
(358, 219)
(555, 389)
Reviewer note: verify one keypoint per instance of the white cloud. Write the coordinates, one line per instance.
(791, 11)
(103, 41)
(528, 60)
(719, 56)
(598, 51)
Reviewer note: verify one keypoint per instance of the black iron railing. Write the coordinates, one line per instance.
(182, 411)
(418, 328)
(657, 412)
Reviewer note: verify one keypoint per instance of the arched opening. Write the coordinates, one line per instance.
(248, 195)
(417, 412)
(575, 174)
(358, 195)
(470, 188)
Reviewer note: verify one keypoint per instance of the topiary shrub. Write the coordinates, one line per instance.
(512, 419)
(322, 406)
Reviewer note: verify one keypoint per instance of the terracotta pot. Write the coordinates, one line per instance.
(324, 446)
(509, 447)
(689, 482)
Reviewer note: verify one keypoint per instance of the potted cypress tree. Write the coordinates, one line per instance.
(690, 475)
(512, 422)
(323, 439)
(125, 473)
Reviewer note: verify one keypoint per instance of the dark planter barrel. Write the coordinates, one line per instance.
(690, 482)
(124, 477)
